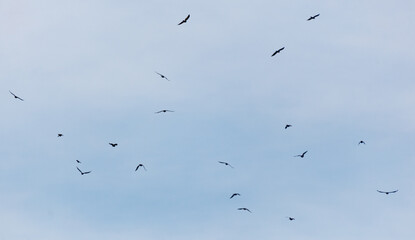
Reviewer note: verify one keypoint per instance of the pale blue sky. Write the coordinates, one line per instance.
(87, 69)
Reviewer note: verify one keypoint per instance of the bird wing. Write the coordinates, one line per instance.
(274, 53)
(381, 191)
(159, 111)
(19, 98)
(144, 167)
(279, 50)
(79, 170)
(222, 162)
(187, 18)
(137, 167)
(304, 152)
(87, 172)
(393, 191)
(316, 15)
(12, 93)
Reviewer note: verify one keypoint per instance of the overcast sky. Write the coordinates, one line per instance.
(86, 69)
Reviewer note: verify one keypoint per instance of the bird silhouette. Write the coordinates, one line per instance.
(244, 209)
(113, 144)
(313, 17)
(164, 111)
(185, 20)
(78, 161)
(361, 142)
(278, 51)
(235, 194)
(387, 192)
(14, 95)
(291, 218)
(162, 76)
(82, 173)
(287, 126)
(140, 165)
(301, 155)
(60, 135)
(225, 163)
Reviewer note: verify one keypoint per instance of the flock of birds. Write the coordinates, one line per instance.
(140, 165)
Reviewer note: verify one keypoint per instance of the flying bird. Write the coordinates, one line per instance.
(301, 155)
(387, 192)
(82, 173)
(164, 111)
(235, 194)
(227, 164)
(162, 76)
(287, 126)
(185, 20)
(361, 142)
(60, 135)
(291, 218)
(113, 144)
(78, 161)
(244, 209)
(313, 17)
(14, 95)
(140, 165)
(278, 51)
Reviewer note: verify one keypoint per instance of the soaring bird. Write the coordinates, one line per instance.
(78, 161)
(278, 51)
(235, 194)
(185, 20)
(227, 164)
(387, 192)
(164, 111)
(361, 142)
(244, 209)
(14, 95)
(301, 155)
(162, 76)
(82, 173)
(287, 126)
(113, 144)
(291, 218)
(140, 165)
(313, 17)
(60, 135)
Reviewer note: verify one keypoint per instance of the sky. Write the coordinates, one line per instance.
(86, 69)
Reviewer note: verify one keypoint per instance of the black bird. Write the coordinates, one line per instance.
(140, 165)
(162, 76)
(227, 164)
(287, 126)
(291, 218)
(235, 194)
(387, 192)
(301, 155)
(164, 111)
(244, 209)
(185, 20)
(113, 144)
(60, 135)
(78, 161)
(14, 95)
(313, 17)
(82, 173)
(361, 142)
(278, 51)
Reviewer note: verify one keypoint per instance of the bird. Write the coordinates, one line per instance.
(82, 173)
(235, 194)
(301, 155)
(140, 165)
(387, 192)
(60, 135)
(291, 218)
(278, 51)
(78, 161)
(287, 126)
(162, 76)
(227, 164)
(361, 142)
(14, 95)
(113, 144)
(185, 20)
(313, 17)
(164, 111)
(244, 209)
